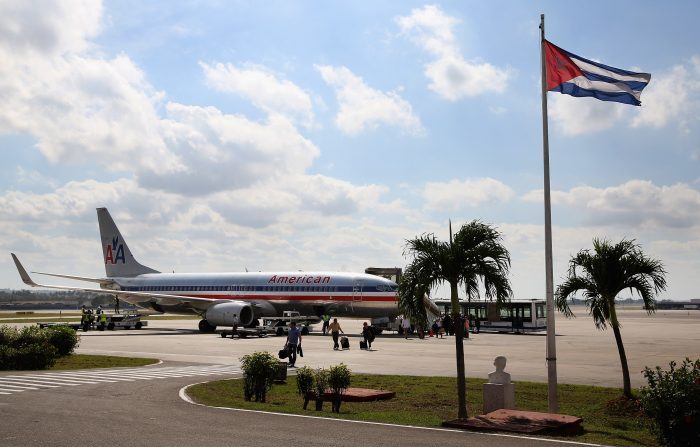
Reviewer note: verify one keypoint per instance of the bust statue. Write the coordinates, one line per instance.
(499, 376)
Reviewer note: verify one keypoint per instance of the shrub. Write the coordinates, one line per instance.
(305, 383)
(8, 357)
(30, 335)
(64, 339)
(338, 381)
(672, 400)
(7, 335)
(260, 369)
(40, 355)
(33, 347)
(320, 385)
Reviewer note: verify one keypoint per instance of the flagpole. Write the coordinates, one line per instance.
(551, 355)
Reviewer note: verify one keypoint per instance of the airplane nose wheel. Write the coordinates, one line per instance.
(204, 326)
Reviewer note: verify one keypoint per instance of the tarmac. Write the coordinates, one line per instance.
(585, 355)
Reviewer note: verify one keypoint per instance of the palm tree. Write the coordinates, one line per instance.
(601, 275)
(411, 296)
(474, 257)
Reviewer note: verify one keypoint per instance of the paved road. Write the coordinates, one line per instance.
(585, 355)
(133, 408)
(147, 410)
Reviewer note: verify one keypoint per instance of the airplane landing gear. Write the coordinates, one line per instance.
(204, 326)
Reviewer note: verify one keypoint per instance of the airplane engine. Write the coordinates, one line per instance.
(228, 313)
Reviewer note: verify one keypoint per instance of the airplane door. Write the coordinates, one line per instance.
(357, 290)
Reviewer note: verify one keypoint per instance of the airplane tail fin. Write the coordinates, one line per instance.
(118, 258)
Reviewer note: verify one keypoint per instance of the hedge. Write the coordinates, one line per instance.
(35, 348)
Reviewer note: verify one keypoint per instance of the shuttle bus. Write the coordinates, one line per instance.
(512, 316)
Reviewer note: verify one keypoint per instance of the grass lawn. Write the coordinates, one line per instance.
(80, 361)
(428, 401)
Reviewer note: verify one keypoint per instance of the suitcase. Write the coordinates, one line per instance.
(344, 343)
(283, 354)
(363, 344)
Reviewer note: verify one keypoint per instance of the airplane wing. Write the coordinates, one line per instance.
(143, 299)
(102, 281)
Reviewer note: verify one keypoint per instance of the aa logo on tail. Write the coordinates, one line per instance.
(115, 252)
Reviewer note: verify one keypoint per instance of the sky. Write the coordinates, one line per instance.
(321, 135)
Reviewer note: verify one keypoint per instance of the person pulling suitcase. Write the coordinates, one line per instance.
(368, 335)
(335, 332)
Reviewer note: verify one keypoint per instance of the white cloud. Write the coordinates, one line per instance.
(80, 106)
(362, 108)
(32, 177)
(58, 28)
(637, 203)
(670, 96)
(263, 88)
(232, 150)
(451, 75)
(76, 103)
(576, 116)
(457, 194)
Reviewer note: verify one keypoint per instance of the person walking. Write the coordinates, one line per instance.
(326, 319)
(447, 325)
(405, 326)
(293, 340)
(368, 335)
(335, 332)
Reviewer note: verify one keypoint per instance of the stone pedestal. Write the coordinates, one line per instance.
(498, 396)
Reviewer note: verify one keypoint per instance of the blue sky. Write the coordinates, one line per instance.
(318, 135)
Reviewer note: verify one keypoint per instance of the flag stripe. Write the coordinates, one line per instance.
(569, 88)
(606, 87)
(602, 70)
(632, 85)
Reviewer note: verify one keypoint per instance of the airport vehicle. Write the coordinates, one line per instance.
(512, 316)
(225, 299)
(126, 321)
(280, 325)
(244, 332)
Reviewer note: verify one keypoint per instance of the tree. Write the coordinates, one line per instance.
(601, 275)
(474, 257)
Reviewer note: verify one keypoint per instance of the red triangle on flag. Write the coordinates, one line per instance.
(560, 67)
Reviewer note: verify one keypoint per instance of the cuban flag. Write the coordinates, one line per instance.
(576, 76)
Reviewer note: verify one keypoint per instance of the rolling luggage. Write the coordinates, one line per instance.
(344, 343)
(363, 344)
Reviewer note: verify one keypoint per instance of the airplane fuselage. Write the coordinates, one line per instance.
(269, 293)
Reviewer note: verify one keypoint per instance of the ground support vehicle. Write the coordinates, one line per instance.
(244, 332)
(280, 325)
(383, 324)
(127, 321)
(74, 326)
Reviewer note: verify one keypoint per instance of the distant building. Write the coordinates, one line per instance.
(678, 305)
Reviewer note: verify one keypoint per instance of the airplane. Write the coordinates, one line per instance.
(228, 299)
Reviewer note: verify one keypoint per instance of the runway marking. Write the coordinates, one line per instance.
(56, 379)
(183, 395)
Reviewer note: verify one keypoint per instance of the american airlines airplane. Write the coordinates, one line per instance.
(225, 299)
